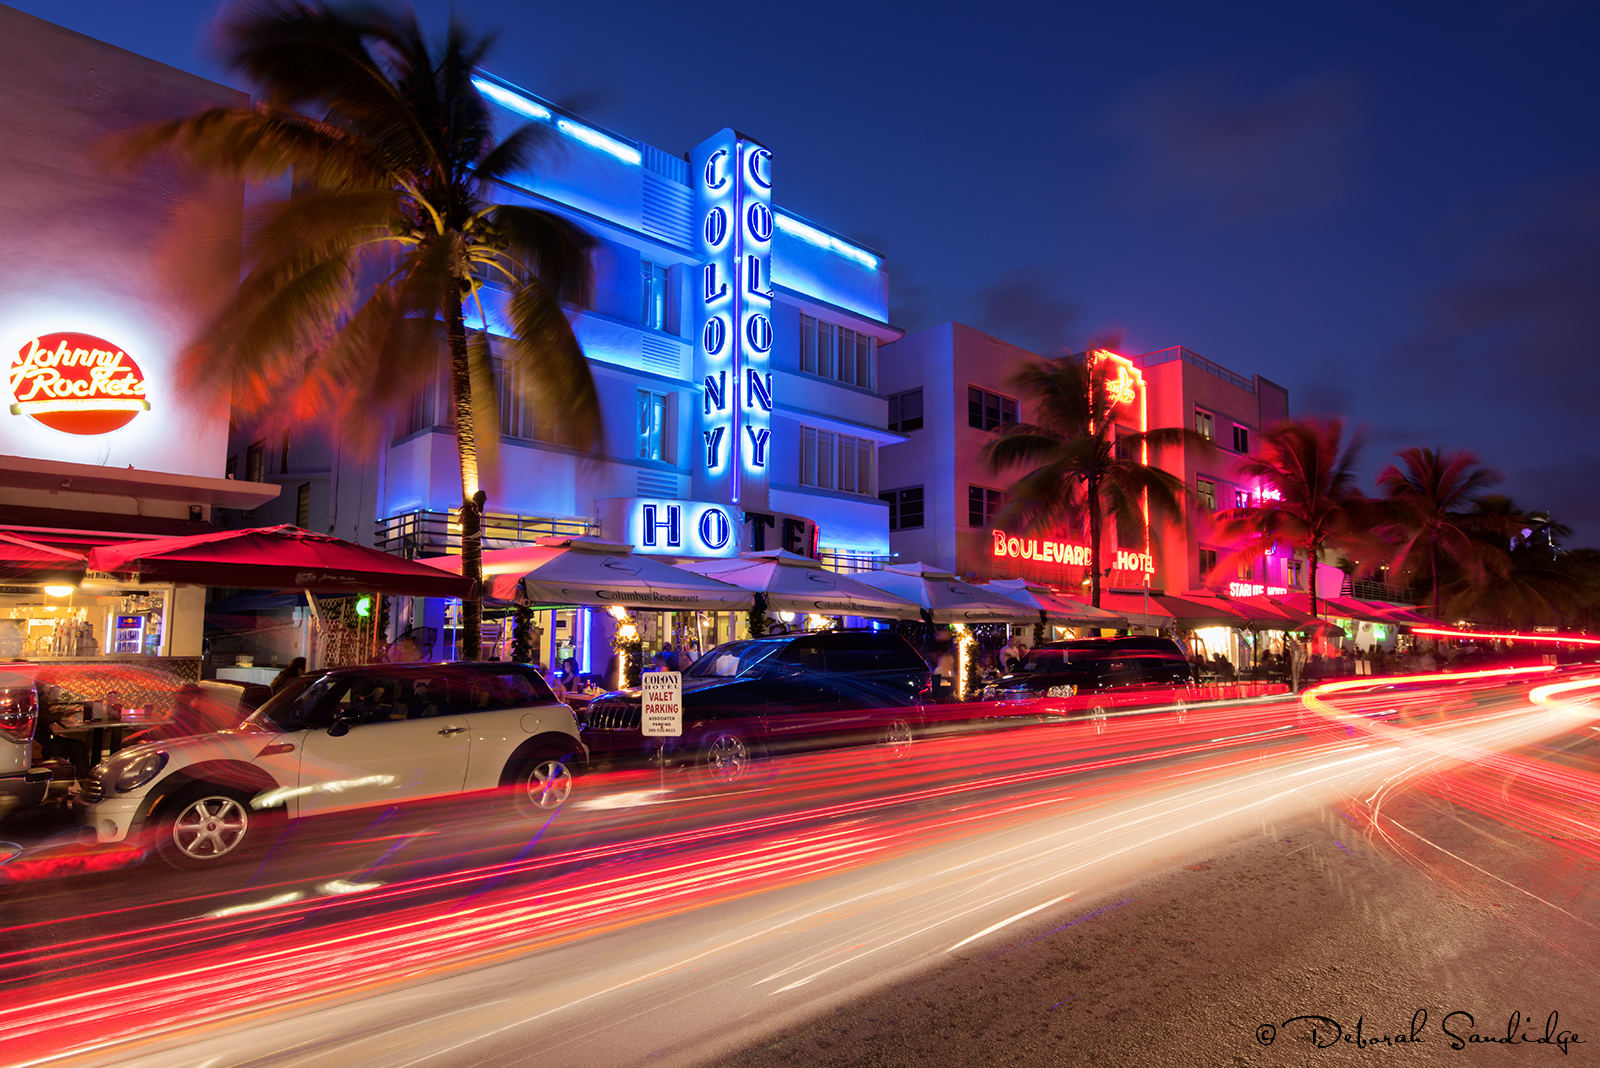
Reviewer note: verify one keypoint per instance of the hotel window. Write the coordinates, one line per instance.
(1206, 490)
(836, 461)
(989, 411)
(255, 462)
(231, 470)
(1241, 438)
(1294, 575)
(652, 425)
(1123, 451)
(302, 506)
(1208, 561)
(905, 508)
(1204, 424)
(516, 411)
(419, 414)
(656, 312)
(1247, 571)
(982, 505)
(283, 455)
(838, 352)
(905, 410)
(1241, 499)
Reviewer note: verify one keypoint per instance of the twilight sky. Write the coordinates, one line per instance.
(1393, 209)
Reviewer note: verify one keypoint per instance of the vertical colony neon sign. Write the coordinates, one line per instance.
(733, 200)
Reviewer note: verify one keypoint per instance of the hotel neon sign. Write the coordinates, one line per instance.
(1047, 551)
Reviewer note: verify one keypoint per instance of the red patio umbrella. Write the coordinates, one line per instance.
(276, 558)
(27, 561)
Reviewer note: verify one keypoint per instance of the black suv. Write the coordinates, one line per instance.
(1085, 665)
(748, 699)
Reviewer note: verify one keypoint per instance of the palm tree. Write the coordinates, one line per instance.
(389, 233)
(1310, 468)
(1427, 508)
(1523, 578)
(1081, 468)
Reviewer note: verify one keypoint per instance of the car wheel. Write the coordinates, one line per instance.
(207, 826)
(542, 783)
(725, 758)
(896, 741)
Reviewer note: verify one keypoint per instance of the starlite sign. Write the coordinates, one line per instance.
(1062, 552)
(77, 384)
(732, 176)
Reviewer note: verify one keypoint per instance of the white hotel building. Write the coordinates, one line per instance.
(735, 349)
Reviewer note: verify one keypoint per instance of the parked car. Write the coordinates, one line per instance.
(335, 740)
(1087, 675)
(764, 696)
(22, 786)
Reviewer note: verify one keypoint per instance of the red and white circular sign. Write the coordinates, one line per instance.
(77, 383)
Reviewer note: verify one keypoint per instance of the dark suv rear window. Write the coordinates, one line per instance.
(852, 653)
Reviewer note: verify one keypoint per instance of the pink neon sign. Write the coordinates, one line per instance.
(1064, 552)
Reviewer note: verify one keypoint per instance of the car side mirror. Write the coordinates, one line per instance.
(339, 727)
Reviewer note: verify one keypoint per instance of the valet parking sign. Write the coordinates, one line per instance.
(661, 710)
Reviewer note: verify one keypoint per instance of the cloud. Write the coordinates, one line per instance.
(1524, 317)
(1202, 140)
(1022, 308)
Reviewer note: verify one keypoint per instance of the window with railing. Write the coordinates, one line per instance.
(656, 311)
(654, 443)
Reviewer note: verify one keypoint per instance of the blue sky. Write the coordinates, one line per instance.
(1393, 209)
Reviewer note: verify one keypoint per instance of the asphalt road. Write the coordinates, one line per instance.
(1174, 896)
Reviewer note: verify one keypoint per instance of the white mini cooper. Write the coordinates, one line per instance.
(340, 739)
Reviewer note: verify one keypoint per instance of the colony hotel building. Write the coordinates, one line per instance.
(736, 350)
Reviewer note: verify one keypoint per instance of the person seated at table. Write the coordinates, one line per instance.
(52, 746)
(569, 674)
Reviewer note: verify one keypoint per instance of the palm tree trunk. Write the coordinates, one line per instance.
(1094, 541)
(1314, 551)
(472, 496)
(1433, 561)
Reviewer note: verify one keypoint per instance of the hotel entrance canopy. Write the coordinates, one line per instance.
(794, 583)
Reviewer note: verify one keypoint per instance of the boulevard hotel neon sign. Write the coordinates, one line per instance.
(1064, 552)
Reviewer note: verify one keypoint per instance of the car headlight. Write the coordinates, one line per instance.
(129, 773)
(1061, 691)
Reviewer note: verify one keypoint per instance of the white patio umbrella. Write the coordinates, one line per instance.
(946, 598)
(793, 583)
(590, 571)
(1056, 609)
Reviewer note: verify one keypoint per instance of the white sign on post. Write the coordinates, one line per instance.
(661, 694)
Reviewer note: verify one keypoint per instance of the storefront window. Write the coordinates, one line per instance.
(36, 626)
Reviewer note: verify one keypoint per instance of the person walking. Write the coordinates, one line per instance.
(296, 668)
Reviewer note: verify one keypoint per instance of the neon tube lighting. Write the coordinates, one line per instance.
(515, 101)
(1572, 640)
(596, 139)
(796, 228)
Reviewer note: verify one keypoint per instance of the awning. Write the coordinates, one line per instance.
(1057, 608)
(1141, 610)
(590, 571)
(793, 583)
(1341, 607)
(946, 598)
(24, 561)
(1195, 610)
(276, 558)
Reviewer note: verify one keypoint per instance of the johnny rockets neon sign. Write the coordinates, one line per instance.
(77, 384)
(1064, 552)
